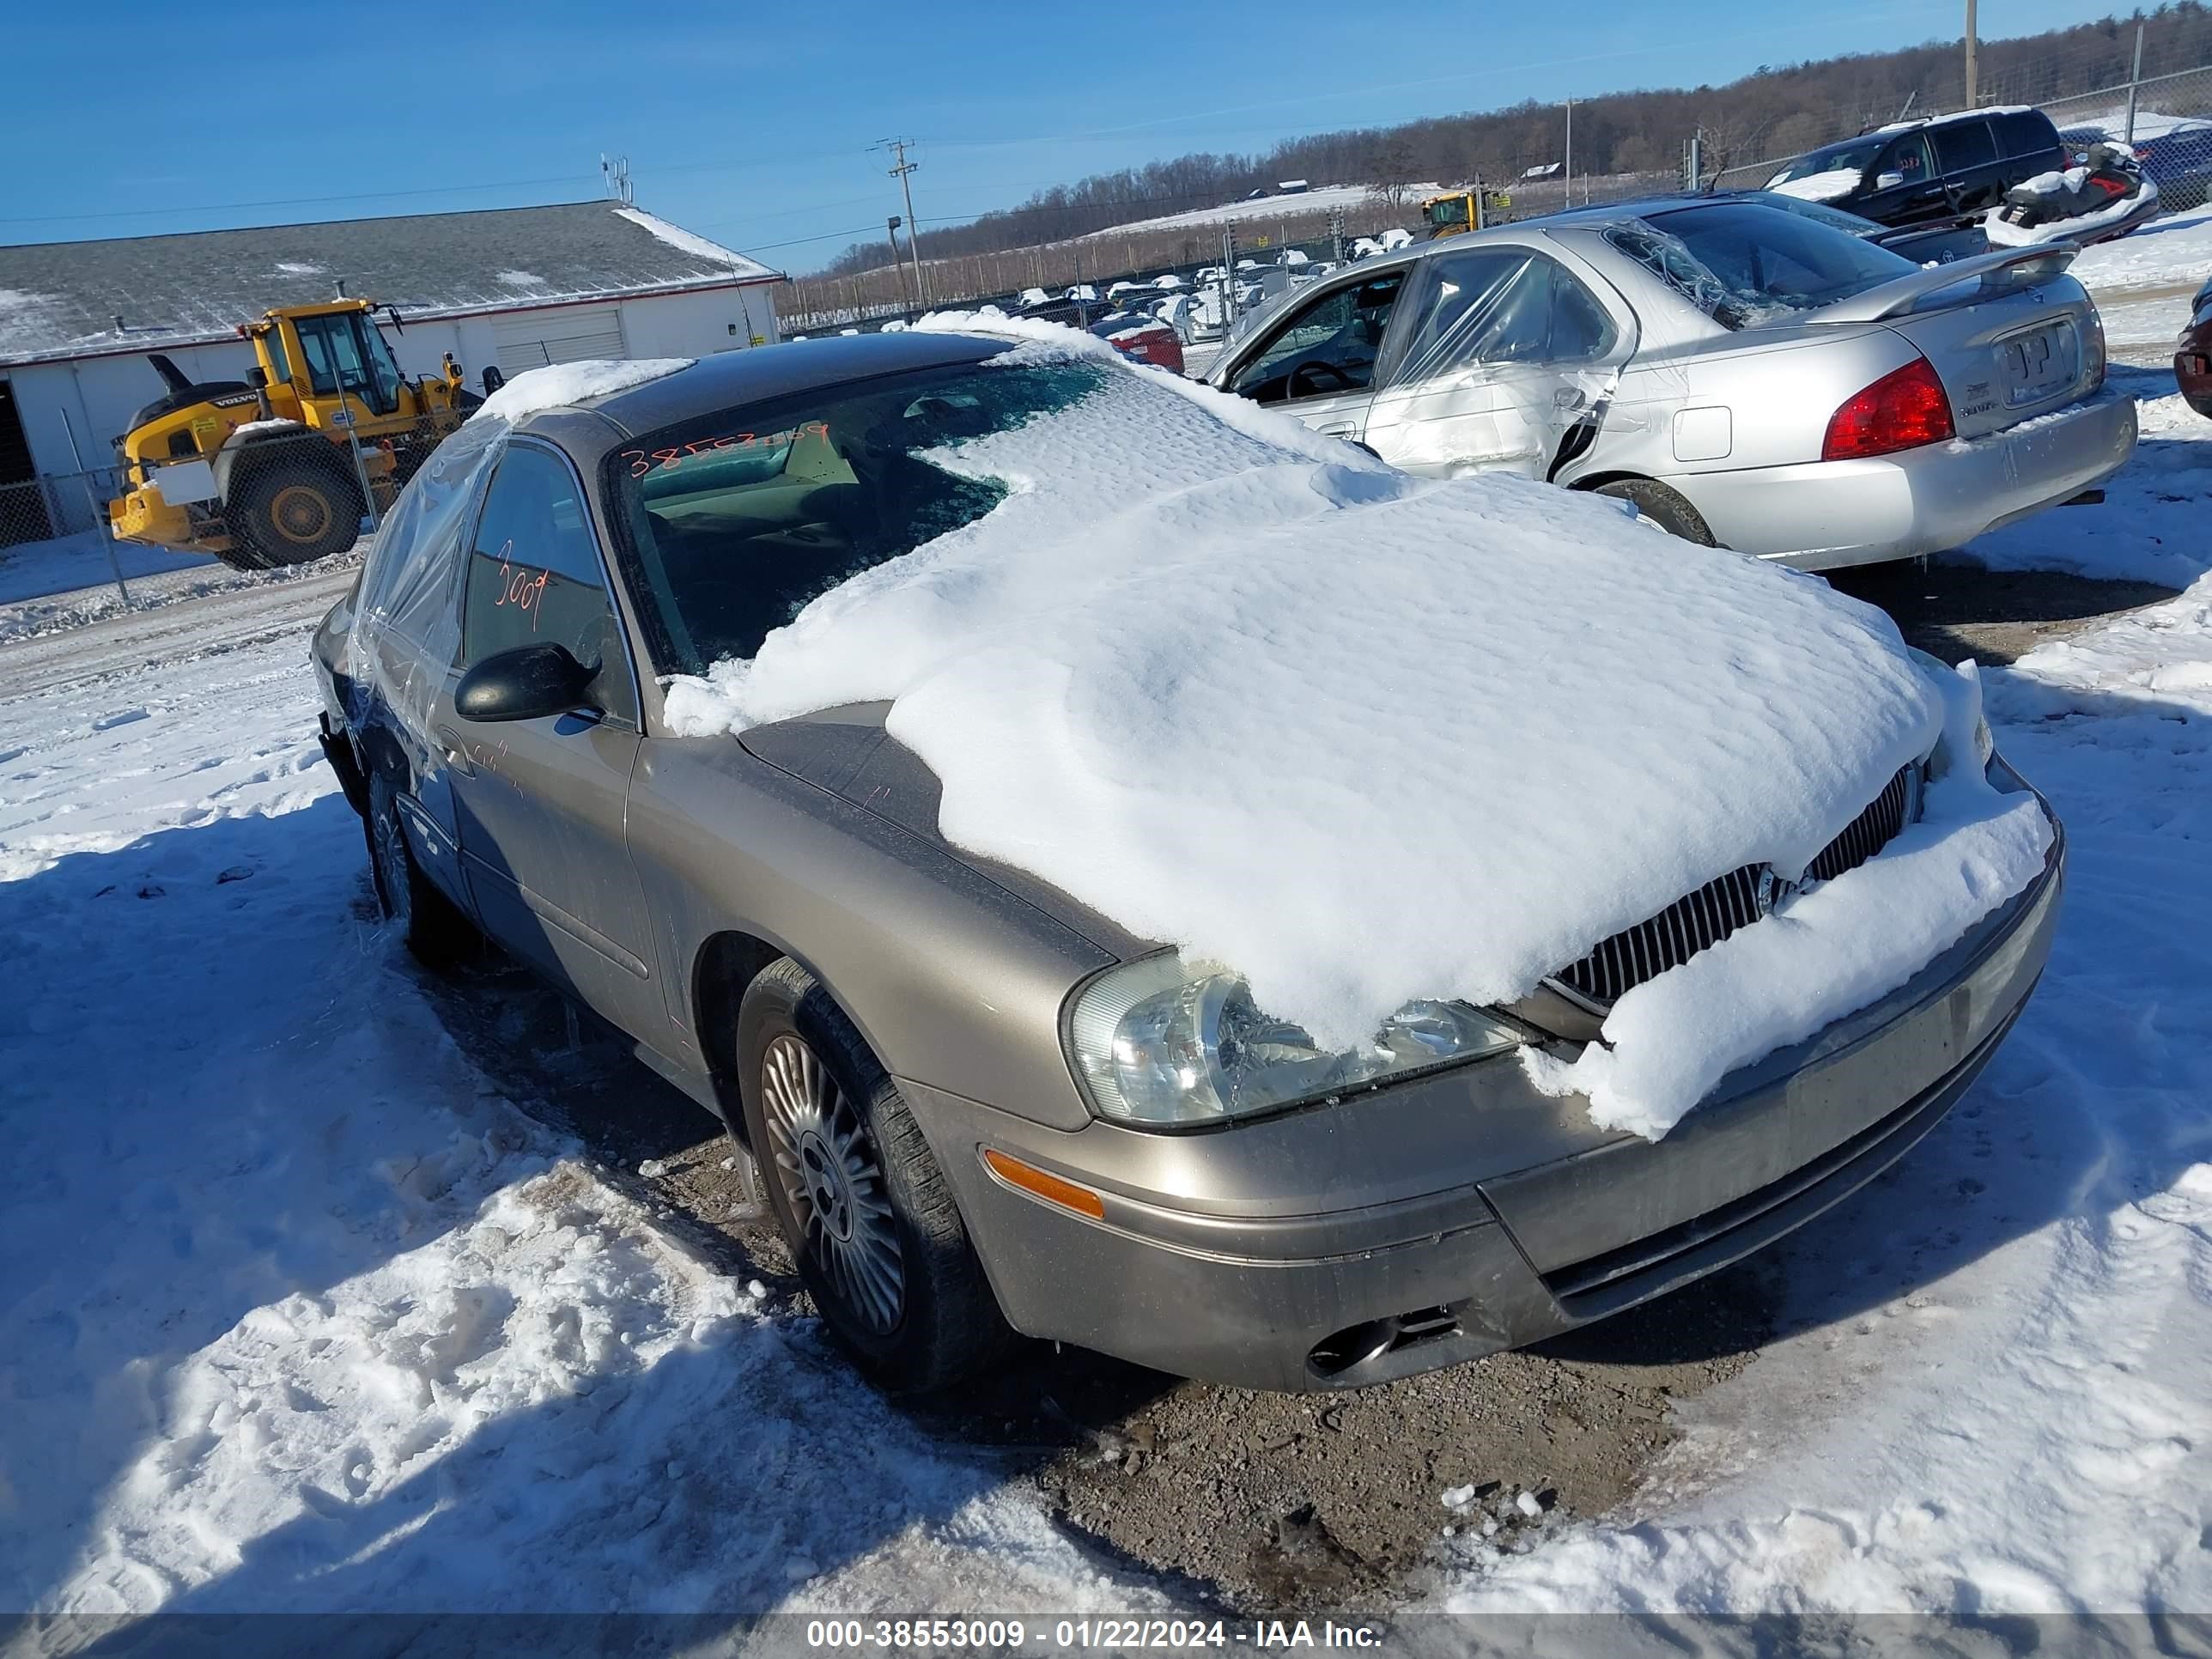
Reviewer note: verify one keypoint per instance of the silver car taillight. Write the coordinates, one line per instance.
(2093, 351)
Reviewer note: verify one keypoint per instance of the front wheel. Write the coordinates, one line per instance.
(856, 1193)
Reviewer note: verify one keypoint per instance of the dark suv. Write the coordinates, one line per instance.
(1941, 168)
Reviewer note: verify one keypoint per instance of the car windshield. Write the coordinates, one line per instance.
(1856, 157)
(738, 518)
(1741, 264)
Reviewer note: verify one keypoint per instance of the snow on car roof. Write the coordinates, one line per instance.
(1362, 736)
(557, 385)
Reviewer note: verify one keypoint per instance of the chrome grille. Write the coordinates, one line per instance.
(1709, 915)
(1869, 833)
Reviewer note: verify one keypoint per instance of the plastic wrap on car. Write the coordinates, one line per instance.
(407, 587)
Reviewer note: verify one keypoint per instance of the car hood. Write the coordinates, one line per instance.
(847, 751)
(1364, 738)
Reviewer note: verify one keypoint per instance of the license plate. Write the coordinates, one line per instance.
(2035, 364)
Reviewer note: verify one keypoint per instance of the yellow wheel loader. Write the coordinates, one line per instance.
(1457, 212)
(258, 471)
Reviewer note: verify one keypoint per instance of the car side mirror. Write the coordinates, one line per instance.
(494, 378)
(1888, 180)
(258, 377)
(525, 683)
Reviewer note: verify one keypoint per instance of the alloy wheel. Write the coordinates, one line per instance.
(827, 1168)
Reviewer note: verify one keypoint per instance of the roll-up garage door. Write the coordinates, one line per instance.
(566, 335)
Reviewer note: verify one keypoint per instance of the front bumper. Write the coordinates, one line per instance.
(1917, 501)
(1455, 1216)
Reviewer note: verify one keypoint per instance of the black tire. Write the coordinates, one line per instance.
(943, 1324)
(1663, 507)
(433, 925)
(293, 510)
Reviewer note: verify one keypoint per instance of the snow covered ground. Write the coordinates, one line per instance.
(300, 1313)
(54, 566)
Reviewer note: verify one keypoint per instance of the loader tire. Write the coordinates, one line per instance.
(293, 511)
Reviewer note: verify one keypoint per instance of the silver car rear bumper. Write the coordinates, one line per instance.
(1222, 1256)
(1918, 500)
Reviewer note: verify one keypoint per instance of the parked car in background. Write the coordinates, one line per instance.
(1942, 167)
(1075, 311)
(2192, 357)
(2175, 151)
(1748, 376)
(1146, 338)
(981, 1106)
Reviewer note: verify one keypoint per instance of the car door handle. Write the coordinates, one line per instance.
(449, 746)
(1337, 429)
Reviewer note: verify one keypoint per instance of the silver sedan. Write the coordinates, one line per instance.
(1749, 378)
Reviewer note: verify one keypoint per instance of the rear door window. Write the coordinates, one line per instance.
(1963, 145)
(1503, 305)
(2024, 133)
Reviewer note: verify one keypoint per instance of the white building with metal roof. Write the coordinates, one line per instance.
(514, 287)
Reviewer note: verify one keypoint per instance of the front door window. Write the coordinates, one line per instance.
(1906, 163)
(534, 576)
(1327, 346)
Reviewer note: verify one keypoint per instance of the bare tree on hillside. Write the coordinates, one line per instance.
(1390, 169)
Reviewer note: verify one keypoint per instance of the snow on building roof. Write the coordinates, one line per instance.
(61, 299)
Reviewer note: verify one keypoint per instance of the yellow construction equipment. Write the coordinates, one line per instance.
(258, 471)
(1452, 213)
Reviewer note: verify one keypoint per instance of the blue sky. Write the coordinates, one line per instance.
(753, 125)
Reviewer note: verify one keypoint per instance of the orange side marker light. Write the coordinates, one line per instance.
(1049, 1188)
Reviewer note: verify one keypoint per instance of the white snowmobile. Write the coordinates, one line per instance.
(2108, 195)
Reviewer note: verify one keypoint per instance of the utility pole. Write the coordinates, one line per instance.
(2134, 82)
(1973, 92)
(1568, 199)
(902, 170)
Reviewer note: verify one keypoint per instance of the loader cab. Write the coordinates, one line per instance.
(342, 352)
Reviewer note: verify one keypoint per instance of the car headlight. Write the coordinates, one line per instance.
(1163, 1041)
(1957, 688)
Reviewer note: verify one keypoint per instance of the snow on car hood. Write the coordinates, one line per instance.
(1365, 737)
(1830, 186)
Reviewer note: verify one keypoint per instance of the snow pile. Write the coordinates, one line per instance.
(558, 385)
(1830, 950)
(300, 1313)
(1986, 1401)
(2150, 526)
(1830, 186)
(2171, 252)
(1275, 708)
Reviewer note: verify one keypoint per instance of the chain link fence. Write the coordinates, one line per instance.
(282, 501)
